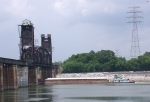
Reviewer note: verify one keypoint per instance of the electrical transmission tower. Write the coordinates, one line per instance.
(117, 53)
(134, 19)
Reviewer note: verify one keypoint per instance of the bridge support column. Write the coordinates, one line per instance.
(14, 80)
(43, 76)
(46, 73)
(10, 76)
(1, 77)
(32, 76)
(49, 73)
(22, 76)
(5, 77)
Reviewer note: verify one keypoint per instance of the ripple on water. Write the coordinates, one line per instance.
(136, 99)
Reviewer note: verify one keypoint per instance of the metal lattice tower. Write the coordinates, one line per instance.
(134, 19)
(117, 53)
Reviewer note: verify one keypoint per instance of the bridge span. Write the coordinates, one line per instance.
(35, 62)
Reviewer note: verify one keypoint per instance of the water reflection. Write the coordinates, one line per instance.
(28, 94)
(8, 96)
(79, 93)
(40, 94)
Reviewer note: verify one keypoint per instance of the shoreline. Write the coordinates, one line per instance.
(138, 76)
(98, 78)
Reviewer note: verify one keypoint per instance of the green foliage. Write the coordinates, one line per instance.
(144, 62)
(146, 54)
(104, 60)
(104, 56)
(73, 67)
(121, 64)
(58, 63)
(133, 64)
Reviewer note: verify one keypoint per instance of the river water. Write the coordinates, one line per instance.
(111, 92)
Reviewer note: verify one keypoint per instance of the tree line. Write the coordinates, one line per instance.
(104, 61)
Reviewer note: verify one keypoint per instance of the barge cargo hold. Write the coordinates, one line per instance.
(51, 81)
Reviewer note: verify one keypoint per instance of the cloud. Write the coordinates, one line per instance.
(77, 26)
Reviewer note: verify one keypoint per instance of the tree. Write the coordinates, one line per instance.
(144, 62)
(73, 67)
(58, 63)
(121, 64)
(104, 60)
(146, 54)
(104, 56)
(133, 65)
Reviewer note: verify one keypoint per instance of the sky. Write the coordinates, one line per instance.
(76, 26)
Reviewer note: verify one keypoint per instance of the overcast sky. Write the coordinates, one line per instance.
(76, 26)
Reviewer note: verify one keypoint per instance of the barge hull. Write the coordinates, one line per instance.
(75, 81)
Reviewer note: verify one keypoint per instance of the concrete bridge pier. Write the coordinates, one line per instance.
(9, 77)
(32, 76)
(22, 76)
(14, 77)
(1, 77)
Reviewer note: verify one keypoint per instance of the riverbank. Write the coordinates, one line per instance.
(139, 76)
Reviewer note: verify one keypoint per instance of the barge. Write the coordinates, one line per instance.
(51, 81)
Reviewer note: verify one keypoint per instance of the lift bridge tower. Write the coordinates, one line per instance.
(134, 18)
(26, 40)
(39, 55)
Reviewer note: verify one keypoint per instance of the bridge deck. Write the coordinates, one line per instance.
(12, 61)
(19, 62)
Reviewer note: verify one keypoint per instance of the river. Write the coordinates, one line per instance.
(111, 92)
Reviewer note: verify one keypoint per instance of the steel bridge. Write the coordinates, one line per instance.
(35, 64)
